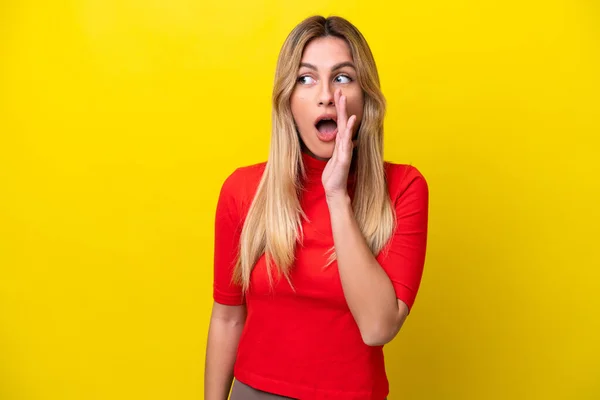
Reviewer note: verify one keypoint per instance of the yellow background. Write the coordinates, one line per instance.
(120, 119)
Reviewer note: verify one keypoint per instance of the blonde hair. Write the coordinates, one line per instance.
(273, 225)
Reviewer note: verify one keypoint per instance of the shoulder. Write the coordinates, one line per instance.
(244, 176)
(404, 179)
(241, 184)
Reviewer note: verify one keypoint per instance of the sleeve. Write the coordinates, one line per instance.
(403, 258)
(228, 227)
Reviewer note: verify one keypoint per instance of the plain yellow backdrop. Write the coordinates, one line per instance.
(120, 119)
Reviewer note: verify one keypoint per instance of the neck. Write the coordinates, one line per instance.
(310, 153)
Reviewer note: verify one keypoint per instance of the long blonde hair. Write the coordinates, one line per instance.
(273, 225)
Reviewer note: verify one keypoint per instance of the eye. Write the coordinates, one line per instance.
(305, 80)
(343, 79)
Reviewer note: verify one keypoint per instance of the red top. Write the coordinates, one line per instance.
(306, 345)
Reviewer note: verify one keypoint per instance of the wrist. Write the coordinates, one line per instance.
(338, 201)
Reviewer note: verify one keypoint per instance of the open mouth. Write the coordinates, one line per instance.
(326, 126)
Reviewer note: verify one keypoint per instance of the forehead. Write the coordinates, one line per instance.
(326, 51)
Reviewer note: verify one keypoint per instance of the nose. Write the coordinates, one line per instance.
(326, 95)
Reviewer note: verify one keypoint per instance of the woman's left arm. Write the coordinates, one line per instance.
(368, 289)
(373, 299)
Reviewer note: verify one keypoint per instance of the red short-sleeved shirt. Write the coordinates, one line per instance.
(306, 344)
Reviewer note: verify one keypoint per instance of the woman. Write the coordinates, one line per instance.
(319, 252)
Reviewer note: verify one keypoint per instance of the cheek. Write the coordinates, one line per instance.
(356, 107)
(298, 106)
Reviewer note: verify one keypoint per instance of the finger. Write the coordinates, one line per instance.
(342, 116)
(336, 102)
(342, 144)
(348, 134)
(340, 110)
(350, 126)
(333, 159)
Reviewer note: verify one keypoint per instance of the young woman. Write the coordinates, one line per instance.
(319, 252)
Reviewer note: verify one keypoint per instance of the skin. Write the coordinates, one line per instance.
(225, 329)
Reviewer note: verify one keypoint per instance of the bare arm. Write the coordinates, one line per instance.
(226, 324)
(367, 288)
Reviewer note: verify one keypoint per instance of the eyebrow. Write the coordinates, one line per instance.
(334, 68)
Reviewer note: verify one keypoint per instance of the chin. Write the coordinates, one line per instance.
(322, 150)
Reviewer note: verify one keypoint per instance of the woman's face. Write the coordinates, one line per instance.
(326, 66)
